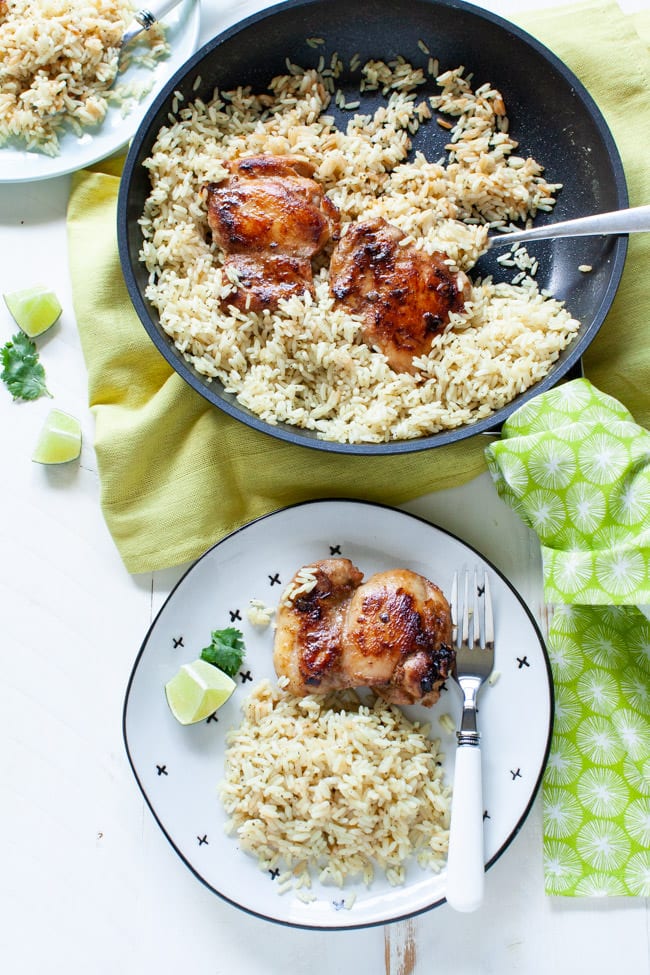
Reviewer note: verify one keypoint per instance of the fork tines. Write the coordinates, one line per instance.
(476, 612)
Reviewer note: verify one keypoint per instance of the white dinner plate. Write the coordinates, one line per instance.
(18, 165)
(178, 768)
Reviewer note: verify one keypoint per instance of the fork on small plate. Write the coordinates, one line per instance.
(473, 635)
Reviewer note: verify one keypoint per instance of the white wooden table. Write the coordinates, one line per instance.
(88, 884)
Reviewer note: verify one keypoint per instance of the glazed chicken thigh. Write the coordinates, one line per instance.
(391, 633)
(398, 637)
(309, 625)
(270, 218)
(404, 295)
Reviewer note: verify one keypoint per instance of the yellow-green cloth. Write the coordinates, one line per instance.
(176, 474)
(576, 467)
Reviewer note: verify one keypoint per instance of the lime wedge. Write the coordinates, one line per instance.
(197, 690)
(60, 439)
(34, 309)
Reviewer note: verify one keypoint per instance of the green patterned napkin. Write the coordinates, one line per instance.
(576, 467)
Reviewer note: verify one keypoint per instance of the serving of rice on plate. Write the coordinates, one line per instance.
(305, 364)
(59, 61)
(332, 789)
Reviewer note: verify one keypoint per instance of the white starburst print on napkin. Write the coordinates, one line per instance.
(576, 467)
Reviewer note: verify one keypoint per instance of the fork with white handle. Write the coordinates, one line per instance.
(473, 666)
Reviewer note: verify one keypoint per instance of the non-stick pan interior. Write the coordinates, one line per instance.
(551, 115)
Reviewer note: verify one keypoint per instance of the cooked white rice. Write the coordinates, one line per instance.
(306, 364)
(332, 788)
(59, 60)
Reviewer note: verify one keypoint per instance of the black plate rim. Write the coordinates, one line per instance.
(307, 438)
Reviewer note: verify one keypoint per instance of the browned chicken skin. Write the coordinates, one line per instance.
(309, 630)
(391, 633)
(270, 218)
(398, 637)
(404, 295)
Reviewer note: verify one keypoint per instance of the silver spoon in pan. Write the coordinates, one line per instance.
(146, 17)
(631, 221)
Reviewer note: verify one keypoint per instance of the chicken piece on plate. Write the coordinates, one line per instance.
(391, 633)
(404, 295)
(398, 638)
(270, 217)
(309, 626)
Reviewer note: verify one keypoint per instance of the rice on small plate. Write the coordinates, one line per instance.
(333, 788)
(305, 364)
(59, 61)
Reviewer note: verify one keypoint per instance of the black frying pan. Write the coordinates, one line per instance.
(551, 114)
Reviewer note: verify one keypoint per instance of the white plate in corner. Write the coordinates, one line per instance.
(178, 768)
(19, 165)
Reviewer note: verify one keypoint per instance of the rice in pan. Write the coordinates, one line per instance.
(305, 363)
(333, 789)
(59, 60)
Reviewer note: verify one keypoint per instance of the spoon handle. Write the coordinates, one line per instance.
(634, 220)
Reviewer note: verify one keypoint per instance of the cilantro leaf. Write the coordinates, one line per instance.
(22, 373)
(226, 651)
